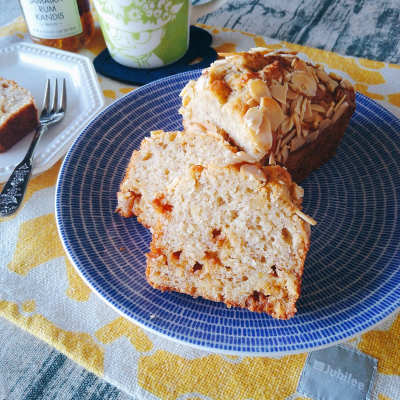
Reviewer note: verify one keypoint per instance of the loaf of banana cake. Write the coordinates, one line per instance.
(231, 232)
(18, 114)
(273, 105)
(163, 157)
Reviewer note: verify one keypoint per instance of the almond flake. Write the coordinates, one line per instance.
(288, 139)
(323, 76)
(292, 95)
(339, 112)
(219, 62)
(306, 218)
(252, 103)
(253, 118)
(272, 159)
(258, 89)
(308, 112)
(322, 87)
(297, 124)
(306, 85)
(312, 137)
(298, 105)
(196, 128)
(346, 84)
(278, 146)
(278, 92)
(305, 132)
(335, 76)
(330, 87)
(285, 154)
(300, 66)
(324, 124)
(253, 172)
(272, 111)
(325, 105)
(287, 124)
(296, 143)
(329, 113)
(339, 103)
(318, 108)
(317, 120)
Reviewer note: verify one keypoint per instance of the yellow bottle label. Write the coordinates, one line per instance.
(52, 19)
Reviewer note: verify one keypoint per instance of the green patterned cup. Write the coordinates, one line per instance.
(149, 33)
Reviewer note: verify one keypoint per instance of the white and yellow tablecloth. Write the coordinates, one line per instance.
(41, 292)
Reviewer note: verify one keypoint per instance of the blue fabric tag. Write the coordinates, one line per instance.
(337, 373)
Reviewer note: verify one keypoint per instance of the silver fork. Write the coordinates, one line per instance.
(13, 192)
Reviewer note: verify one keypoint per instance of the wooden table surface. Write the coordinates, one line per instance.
(363, 28)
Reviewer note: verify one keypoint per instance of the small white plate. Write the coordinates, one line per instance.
(30, 65)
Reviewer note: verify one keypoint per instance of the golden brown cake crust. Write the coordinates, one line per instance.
(311, 116)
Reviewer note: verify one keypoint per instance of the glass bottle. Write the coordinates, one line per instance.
(64, 24)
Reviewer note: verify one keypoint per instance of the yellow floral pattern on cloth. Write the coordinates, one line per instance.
(41, 292)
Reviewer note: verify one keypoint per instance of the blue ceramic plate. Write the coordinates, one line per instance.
(351, 277)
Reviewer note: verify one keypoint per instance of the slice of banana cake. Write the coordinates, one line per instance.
(233, 234)
(163, 157)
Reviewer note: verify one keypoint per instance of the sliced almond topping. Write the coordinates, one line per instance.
(291, 95)
(339, 103)
(253, 172)
(314, 74)
(306, 217)
(232, 158)
(288, 77)
(264, 135)
(296, 143)
(185, 101)
(208, 126)
(252, 103)
(306, 85)
(294, 62)
(335, 76)
(346, 83)
(323, 76)
(297, 124)
(272, 111)
(317, 120)
(272, 159)
(196, 128)
(287, 124)
(299, 102)
(322, 87)
(306, 231)
(325, 105)
(278, 92)
(324, 124)
(329, 113)
(300, 66)
(278, 157)
(278, 146)
(312, 137)
(288, 138)
(156, 133)
(311, 119)
(298, 191)
(285, 153)
(308, 112)
(339, 112)
(219, 62)
(330, 87)
(318, 108)
(258, 89)
(303, 109)
(305, 132)
(260, 50)
(284, 108)
(253, 118)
